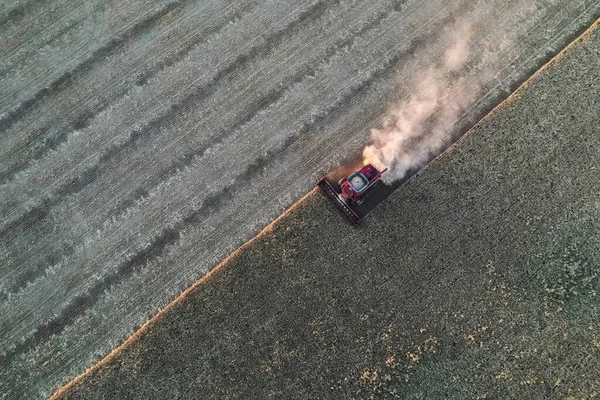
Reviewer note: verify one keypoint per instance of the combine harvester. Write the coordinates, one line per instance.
(353, 190)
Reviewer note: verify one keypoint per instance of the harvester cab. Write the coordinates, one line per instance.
(353, 190)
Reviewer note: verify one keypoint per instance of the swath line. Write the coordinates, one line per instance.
(153, 126)
(99, 54)
(213, 202)
(184, 161)
(83, 120)
(60, 393)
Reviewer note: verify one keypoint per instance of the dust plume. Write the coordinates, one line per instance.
(423, 125)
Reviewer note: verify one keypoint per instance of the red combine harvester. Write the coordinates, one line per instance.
(353, 189)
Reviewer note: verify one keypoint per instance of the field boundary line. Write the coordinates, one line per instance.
(144, 328)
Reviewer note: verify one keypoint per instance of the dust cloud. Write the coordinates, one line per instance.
(420, 127)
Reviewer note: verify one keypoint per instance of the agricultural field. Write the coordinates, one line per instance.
(477, 279)
(143, 142)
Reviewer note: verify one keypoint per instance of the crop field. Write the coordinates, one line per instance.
(142, 142)
(477, 279)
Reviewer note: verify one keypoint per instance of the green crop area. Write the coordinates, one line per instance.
(478, 278)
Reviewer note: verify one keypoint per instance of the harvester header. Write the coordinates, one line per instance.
(351, 191)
